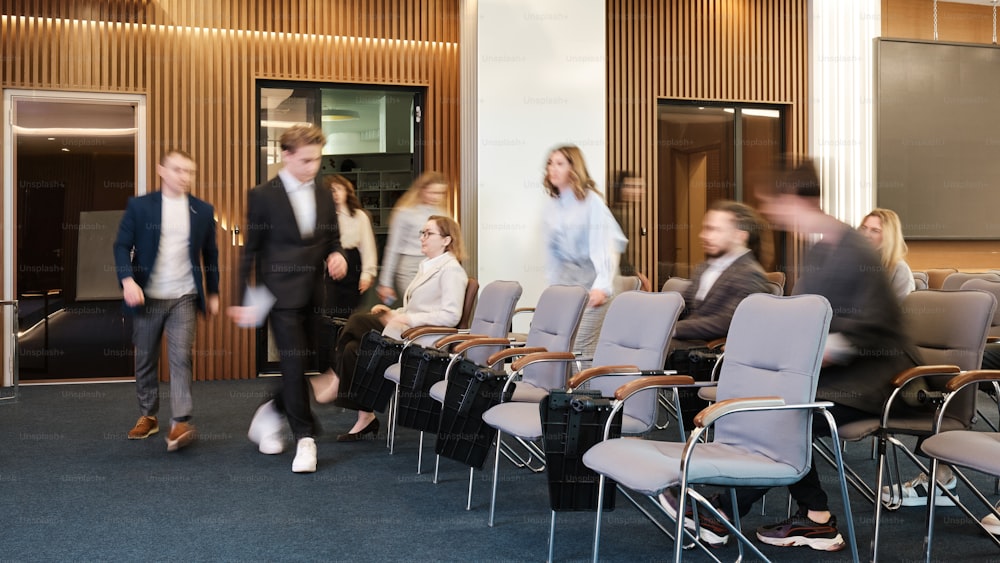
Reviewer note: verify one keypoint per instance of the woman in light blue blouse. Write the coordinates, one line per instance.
(402, 254)
(583, 240)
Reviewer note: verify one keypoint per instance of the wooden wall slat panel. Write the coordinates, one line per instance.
(197, 64)
(727, 50)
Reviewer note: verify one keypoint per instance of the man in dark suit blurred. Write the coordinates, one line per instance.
(292, 237)
(730, 237)
(164, 248)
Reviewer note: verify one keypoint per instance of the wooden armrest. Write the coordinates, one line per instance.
(631, 387)
(513, 352)
(520, 310)
(480, 342)
(992, 339)
(457, 337)
(922, 371)
(709, 414)
(717, 344)
(519, 364)
(418, 331)
(590, 373)
(972, 376)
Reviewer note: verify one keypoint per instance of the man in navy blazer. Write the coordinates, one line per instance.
(165, 256)
(292, 239)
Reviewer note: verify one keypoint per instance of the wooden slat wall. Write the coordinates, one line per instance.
(960, 23)
(732, 50)
(197, 63)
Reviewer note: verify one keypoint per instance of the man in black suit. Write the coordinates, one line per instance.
(292, 237)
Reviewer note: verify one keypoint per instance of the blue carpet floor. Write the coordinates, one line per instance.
(72, 488)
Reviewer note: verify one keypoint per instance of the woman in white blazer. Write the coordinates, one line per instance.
(434, 298)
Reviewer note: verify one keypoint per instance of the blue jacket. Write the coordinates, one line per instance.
(138, 242)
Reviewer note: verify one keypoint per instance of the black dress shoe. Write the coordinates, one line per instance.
(372, 428)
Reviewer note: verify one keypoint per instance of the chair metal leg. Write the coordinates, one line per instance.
(552, 536)
(393, 408)
(496, 472)
(841, 475)
(601, 482)
(420, 452)
(468, 498)
(437, 464)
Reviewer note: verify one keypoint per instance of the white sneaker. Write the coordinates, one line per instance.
(266, 429)
(305, 456)
(915, 492)
(991, 523)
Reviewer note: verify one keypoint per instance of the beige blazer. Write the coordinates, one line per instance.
(434, 298)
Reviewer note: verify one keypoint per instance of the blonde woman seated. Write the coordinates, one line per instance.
(434, 298)
(884, 230)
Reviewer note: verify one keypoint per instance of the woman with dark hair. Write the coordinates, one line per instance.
(435, 297)
(358, 240)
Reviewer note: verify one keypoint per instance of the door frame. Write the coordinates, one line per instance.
(9, 242)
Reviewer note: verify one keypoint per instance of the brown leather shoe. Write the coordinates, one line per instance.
(145, 427)
(180, 435)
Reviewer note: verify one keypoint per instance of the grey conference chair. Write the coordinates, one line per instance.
(949, 329)
(676, 284)
(492, 315)
(768, 381)
(992, 339)
(920, 280)
(957, 280)
(979, 451)
(635, 333)
(553, 329)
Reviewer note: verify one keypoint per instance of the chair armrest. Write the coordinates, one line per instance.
(513, 353)
(458, 337)
(590, 373)
(519, 364)
(419, 331)
(521, 310)
(458, 349)
(906, 375)
(652, 381)
(709, 414)
(970, 377)
(992, 339)
(717, 344)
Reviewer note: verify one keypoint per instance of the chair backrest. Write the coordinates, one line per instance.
(676, 284)
(957, 279)
(919, 282)
(774, 288)
(777, 277)
(492, 317)
(936, 276)
(636, 331)
(950, 328)
(994, 288)
(627, 283)
(553, 327)
(469, 306)
(784, 361)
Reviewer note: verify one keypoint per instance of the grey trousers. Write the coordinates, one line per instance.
(589, 331)
(176, 317)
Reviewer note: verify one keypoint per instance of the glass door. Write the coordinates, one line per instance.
(74, 166)
(706, 151)
(373, 139)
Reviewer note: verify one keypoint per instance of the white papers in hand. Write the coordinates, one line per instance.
(259, 300)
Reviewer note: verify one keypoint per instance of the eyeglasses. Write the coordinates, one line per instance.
(425, 234)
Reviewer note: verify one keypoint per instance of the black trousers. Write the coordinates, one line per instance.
(808, 492)
(346, 356)
(294, 333)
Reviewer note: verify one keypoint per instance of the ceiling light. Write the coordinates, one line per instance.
(340, 115)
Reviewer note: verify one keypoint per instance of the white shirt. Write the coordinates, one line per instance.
(301, 195)
(171, 276)
(356, 232)
(715, 268)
